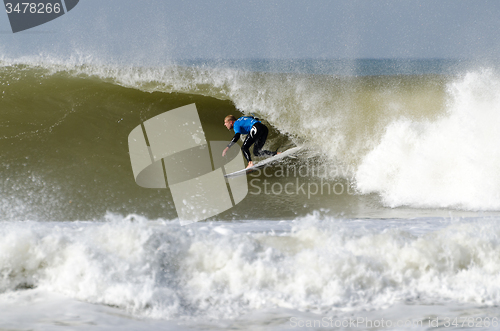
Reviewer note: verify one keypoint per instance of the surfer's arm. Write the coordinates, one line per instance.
(231, 143)
(234, 140)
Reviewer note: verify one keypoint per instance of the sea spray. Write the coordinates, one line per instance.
(451, 162)
(160, 269)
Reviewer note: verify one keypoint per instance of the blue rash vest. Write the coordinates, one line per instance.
(244, 124)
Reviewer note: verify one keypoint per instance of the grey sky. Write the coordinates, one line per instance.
(160, 30)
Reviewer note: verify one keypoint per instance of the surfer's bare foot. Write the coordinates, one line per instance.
(250, 164)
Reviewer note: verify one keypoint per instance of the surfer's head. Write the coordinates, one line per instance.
(229, 121)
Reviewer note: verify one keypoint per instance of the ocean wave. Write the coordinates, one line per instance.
(162, 270)
(451, 162)
(414, 140)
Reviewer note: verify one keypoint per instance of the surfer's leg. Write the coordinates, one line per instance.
(261, 132)
(249, 140)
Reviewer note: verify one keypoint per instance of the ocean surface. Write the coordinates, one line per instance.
(388, 218)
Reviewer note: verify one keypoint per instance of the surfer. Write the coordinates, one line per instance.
(256, 134)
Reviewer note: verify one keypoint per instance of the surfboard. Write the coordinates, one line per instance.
(264, 163)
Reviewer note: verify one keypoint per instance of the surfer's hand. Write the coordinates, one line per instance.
(225, 151)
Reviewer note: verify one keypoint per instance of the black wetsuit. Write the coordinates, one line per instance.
(257, 136)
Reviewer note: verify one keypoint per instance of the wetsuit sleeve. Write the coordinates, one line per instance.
(234, 140)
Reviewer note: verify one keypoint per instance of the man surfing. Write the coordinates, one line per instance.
(256, 134)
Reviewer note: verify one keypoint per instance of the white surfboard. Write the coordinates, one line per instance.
(264, 163)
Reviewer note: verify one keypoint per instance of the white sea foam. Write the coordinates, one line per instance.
(162, 270)
(451, 162)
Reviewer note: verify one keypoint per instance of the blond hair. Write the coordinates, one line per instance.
(230, 117)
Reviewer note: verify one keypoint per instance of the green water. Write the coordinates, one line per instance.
(64, 135)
